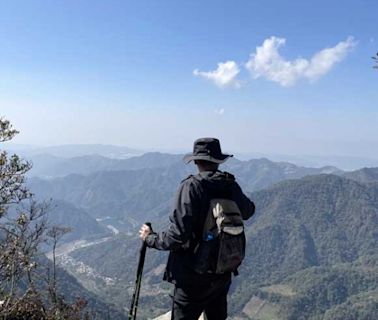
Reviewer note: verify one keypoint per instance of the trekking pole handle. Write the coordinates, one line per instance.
(148, 224)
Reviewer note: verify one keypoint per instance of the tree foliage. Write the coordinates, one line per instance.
(375, 58)
(12, 172)
(23, 227)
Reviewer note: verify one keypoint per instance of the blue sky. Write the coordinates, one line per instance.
(289, 77)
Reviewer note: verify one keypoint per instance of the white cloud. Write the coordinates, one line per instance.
(220, 111)
(268, 63)
(225, 75)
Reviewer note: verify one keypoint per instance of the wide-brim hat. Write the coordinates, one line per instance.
(207, 149)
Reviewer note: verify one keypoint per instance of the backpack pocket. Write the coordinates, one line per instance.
(222, 247)
(205, 255)
(231, 252)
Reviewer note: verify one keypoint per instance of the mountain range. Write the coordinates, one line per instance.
(122, 152)
(311, 245)
(311, 251)
(74, 150)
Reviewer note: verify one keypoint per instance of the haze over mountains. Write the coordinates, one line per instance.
(125, 191)
(345, 162)
(312, 245)
(75, 150)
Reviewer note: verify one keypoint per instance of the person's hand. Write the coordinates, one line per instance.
(144, 231)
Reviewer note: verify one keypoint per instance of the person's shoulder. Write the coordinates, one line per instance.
(187, 179)
(231, 180)
(193, 178)
(229, 176)
(191, 181)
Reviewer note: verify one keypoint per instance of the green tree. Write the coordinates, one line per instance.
(23, 227)
(12, 172)
(19, 240)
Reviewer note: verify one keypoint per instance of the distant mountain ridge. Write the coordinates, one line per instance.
(364, 175)
(149, 184)
(122, 152)
(47, 166)
(131, 194)
(257, 174)
(77, 150)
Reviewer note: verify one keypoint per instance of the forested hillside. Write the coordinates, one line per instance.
(312, 248)
(311, 253)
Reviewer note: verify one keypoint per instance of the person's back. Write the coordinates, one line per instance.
(197, 290)
(219, 237)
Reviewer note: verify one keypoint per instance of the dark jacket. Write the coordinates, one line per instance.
(187, 220)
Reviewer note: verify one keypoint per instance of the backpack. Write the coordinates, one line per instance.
(222, 246)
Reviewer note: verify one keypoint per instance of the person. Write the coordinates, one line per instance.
(196, 292)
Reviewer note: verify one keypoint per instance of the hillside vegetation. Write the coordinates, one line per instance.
(311, 250)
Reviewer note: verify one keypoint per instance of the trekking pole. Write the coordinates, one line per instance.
(138, 281)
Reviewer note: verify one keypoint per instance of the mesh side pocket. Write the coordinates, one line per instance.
(231, 252)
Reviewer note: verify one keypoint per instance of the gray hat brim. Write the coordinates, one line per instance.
(190, 157)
